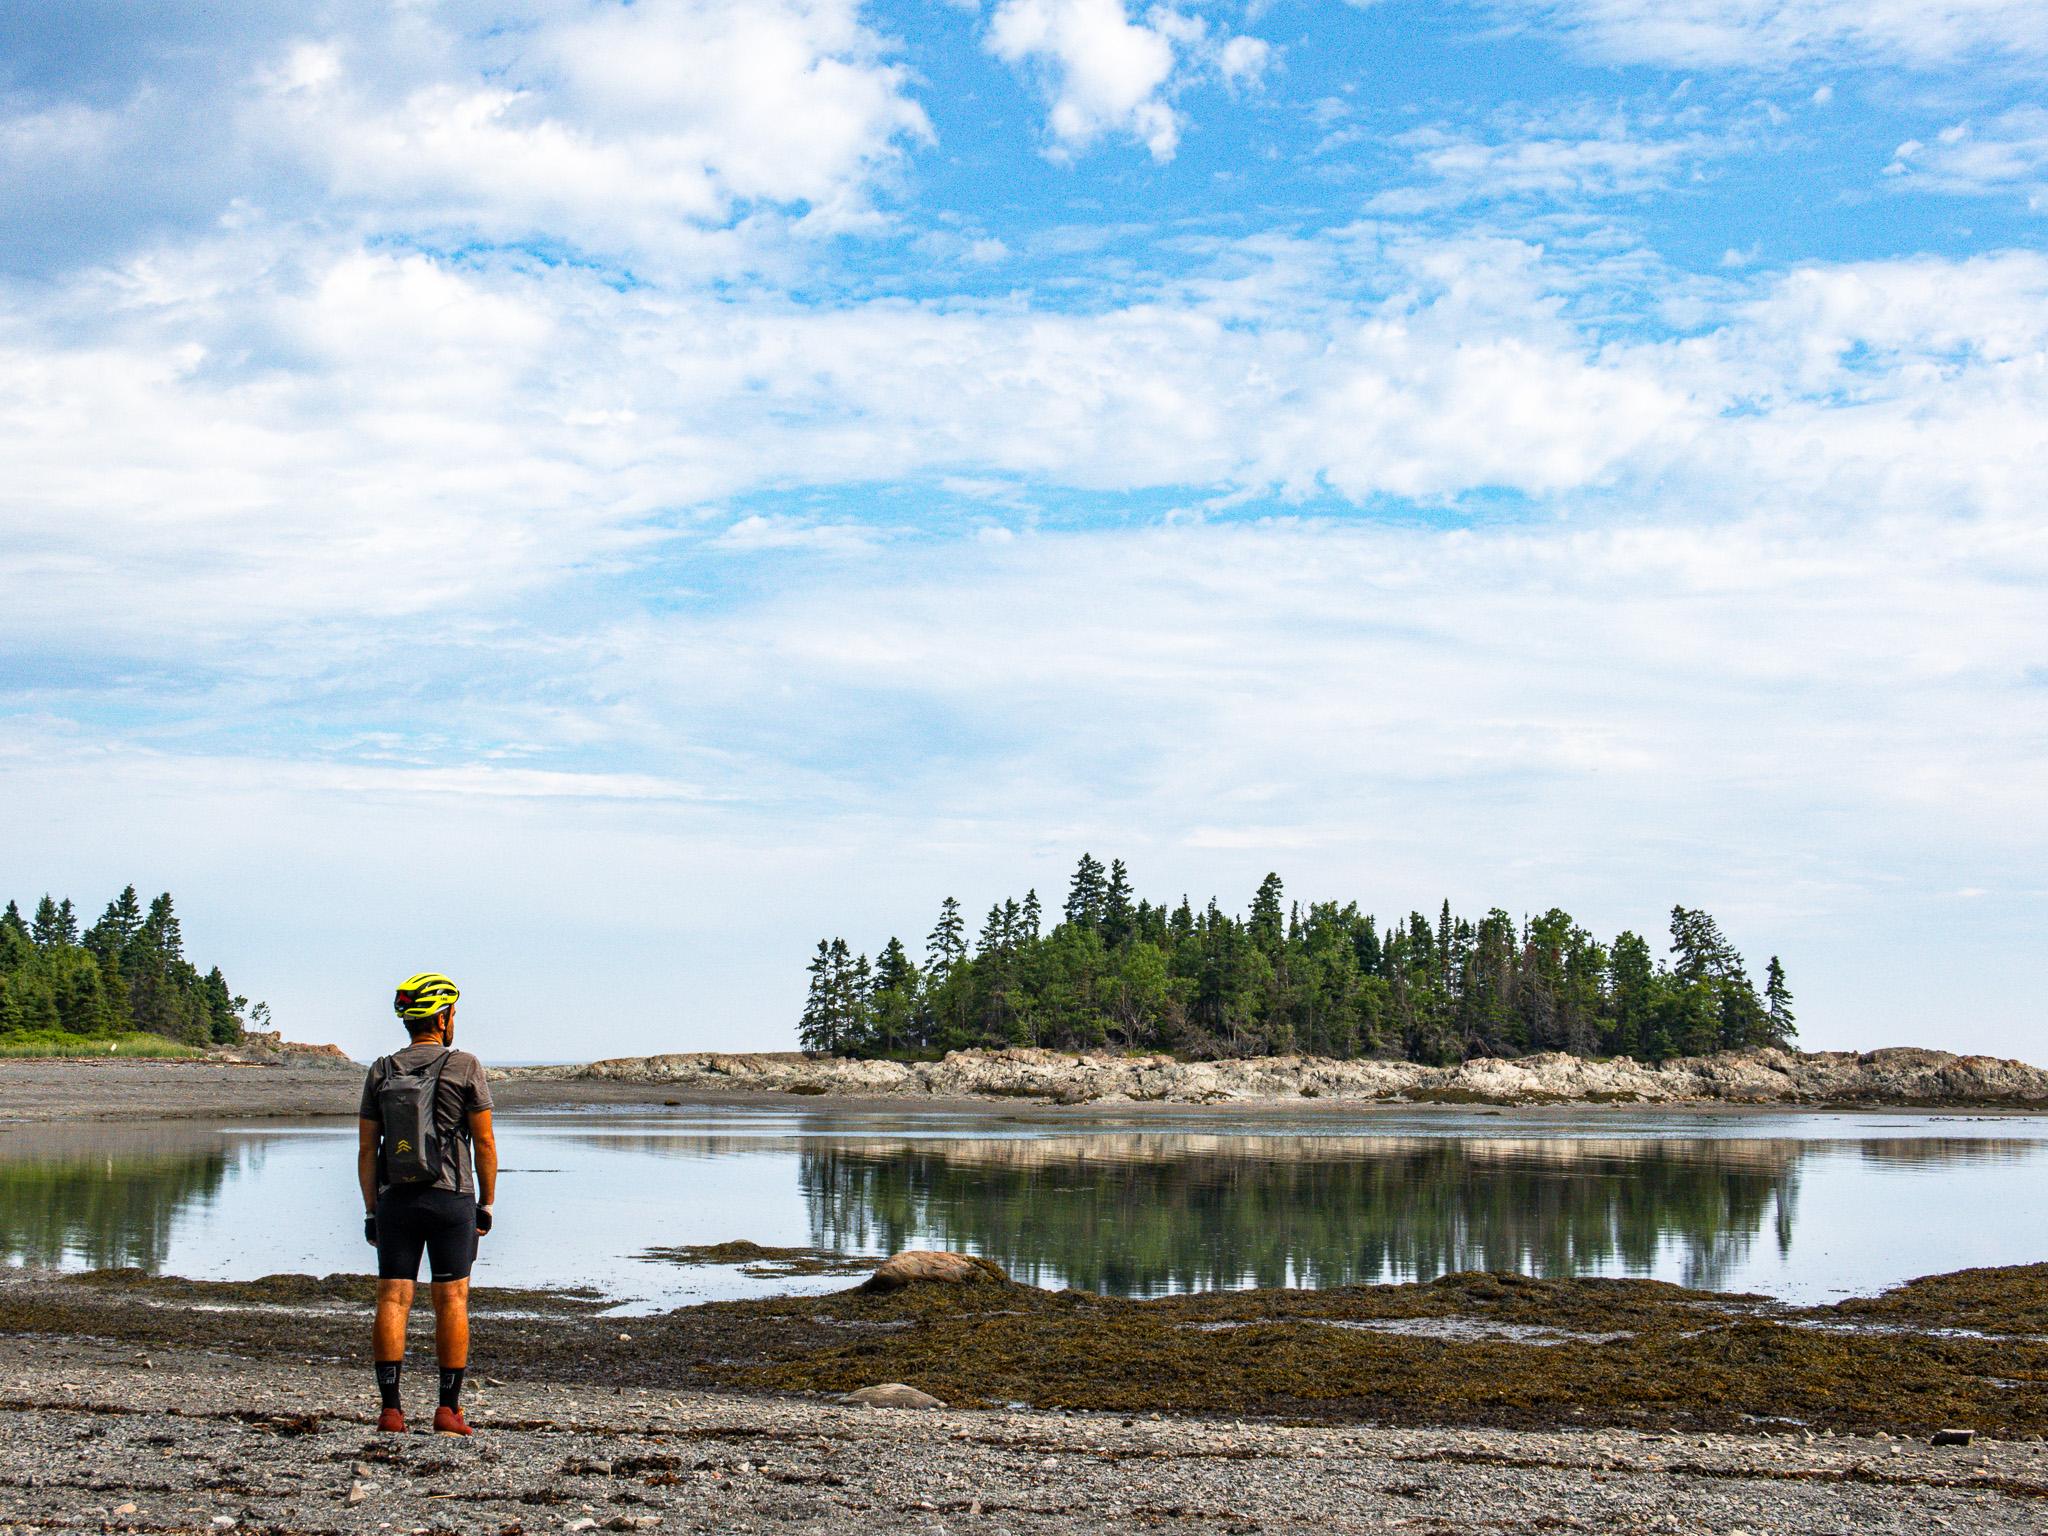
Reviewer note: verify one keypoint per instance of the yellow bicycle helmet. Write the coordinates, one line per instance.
(424, 995)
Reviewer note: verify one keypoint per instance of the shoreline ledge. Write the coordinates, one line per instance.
(1895, 1077)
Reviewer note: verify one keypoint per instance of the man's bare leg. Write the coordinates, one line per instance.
(387, 1346)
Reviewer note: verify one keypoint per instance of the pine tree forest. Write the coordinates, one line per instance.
(1112, 973)
(125, 974)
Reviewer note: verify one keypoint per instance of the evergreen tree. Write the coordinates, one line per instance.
(1266, 931)
(894, 1011)
(1632, 1001)
(814, 1030)
(995, 934)
(17, 949)
(161, 931)
(120, 925)
(1087, 892)
(857, 1022)
(1315, 977)
(1778, 1004)
(128, 971)
(223, 1009)
(1031, 916)
(947, 945)
(1117, 915)
(48, 928)
(1700, 953)
(83, 1006)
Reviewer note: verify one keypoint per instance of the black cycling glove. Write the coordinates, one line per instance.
(370, 1229)
(483, 1218)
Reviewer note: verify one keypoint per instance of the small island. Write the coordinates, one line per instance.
(1116, 973)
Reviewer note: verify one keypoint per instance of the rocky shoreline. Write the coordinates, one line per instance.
(319, 1082)
(205, 1444)
(137, 1405)
(1897, 1077)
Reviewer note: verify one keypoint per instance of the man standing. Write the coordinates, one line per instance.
(426, 1114)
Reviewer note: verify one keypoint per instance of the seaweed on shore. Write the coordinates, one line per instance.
(322, 1290)
(1684, 1361)
(765, 1263)
(1512, 1351)
(2011, 1300)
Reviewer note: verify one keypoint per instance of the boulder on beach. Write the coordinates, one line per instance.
(917, 1266)
(891, 1394)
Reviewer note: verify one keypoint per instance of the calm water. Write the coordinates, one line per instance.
(1797, 1205)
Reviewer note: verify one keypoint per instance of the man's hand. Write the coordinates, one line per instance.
(483, 1219)
(370, 1228)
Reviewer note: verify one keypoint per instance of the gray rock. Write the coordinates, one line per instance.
(918, 1266)
(1898, 1075)
(1954, 1436)
(891, 1394)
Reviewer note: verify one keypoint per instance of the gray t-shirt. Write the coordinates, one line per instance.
(463, 1091)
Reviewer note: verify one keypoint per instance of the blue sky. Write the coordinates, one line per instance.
(591, 497)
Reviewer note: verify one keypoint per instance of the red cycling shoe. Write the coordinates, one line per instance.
(449, 1421)
(391, 1421)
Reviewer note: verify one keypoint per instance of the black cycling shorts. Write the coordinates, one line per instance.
(438, 1222)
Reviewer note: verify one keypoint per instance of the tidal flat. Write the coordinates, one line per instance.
(1504, 1350)
(1212, 1340)
(1473, 1403)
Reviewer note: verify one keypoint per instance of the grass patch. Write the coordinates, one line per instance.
(54, 1045)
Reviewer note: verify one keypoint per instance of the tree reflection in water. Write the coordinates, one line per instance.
(1142, 1215)
(101, 1198)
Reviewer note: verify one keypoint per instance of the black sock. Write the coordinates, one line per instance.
(451, 1385)
(387, 1380)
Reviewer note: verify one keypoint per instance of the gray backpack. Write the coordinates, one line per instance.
(405, 1104)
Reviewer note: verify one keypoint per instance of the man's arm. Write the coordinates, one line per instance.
(486, 1143)
(367, 1133)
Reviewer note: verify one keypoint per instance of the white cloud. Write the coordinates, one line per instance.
(320, 436)
(1793, 726)
(1554, 161)
(1244, 60)
(754, 534)
(628, 131)
(1106, 73)
(2007, 154)
(619, 127)
(1770, 34)
(412, 430)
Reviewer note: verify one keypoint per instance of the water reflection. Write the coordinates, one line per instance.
(102, 1197)
(1104, 1206)
(1138, 1215)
